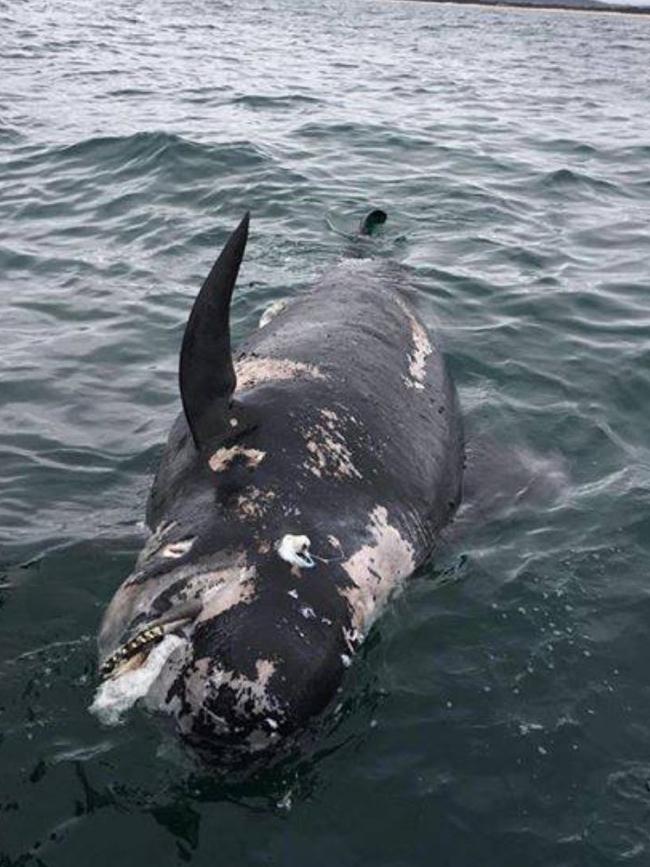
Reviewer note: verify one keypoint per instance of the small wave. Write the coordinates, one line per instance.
(123, 157)
(372, 138)
(264, 101)
(9, 135)
(567, 146)
(563, 180)
(128, 93)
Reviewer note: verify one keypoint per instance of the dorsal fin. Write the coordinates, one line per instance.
(206, 373)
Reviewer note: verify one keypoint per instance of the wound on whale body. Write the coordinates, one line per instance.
(306, 477)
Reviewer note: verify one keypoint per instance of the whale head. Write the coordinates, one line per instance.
(211, 639)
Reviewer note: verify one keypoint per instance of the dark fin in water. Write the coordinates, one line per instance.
(371, 221)
(206, 374)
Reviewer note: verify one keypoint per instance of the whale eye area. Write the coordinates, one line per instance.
(175, 550)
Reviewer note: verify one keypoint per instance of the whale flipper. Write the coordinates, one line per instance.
(206, 373)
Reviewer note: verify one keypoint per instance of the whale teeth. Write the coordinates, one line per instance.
(132, 647)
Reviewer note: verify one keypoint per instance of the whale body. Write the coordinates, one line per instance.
(307, 476)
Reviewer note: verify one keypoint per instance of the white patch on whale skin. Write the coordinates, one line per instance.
(259, 740)
(254, 370)
(328, 451)
(272, 311)
(255, 690)
(377, 570)
(422, 349)
(239, 589)
(252, 697)
(177, 549)
(223, 457)
(295, 550)
(204, 585)
(253, 503)
(117, 695)
(352, 638)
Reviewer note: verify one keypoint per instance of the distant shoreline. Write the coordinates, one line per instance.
(548, 5)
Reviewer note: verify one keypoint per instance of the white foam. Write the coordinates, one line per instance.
(117, 695)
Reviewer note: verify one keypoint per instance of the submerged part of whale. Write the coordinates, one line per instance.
(305, 479)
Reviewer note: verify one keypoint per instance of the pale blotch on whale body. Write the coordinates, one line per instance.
(272, 311)
(230, 582)
(199, 580)
(377, 570)
(334, 542)
(352, 638)
(254, 370)
(240, 588)
(252, 699)
(253, 503)
(422, 349)
(329, 454)
(224, 457)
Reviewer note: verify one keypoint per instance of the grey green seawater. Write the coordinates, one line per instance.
(500, 712)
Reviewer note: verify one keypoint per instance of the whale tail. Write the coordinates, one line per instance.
(368, 226)
(372, 220)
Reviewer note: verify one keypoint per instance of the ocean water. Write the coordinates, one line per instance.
(500, 711)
